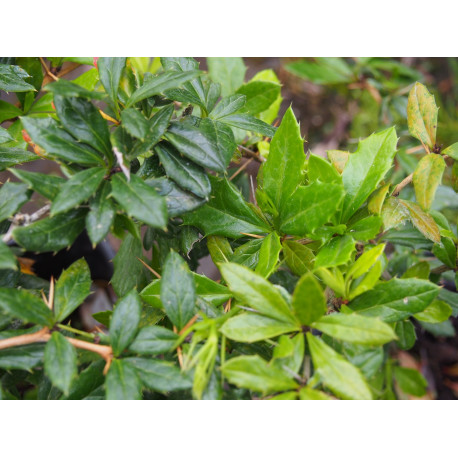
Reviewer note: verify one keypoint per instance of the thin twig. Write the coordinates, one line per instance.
(48, 72)
(149, 268)
(402, 185)
(252, 235)
(248, 152)
(21, 219)
(241, 168)
(189, 324)
(42, 335)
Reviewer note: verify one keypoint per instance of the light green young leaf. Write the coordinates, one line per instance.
(282, 172)
(436, 312)
(254, 373)
(365, 262)
(376, 201)
(309, 301)
(252, 327)
(340, 376)
(336, 252)
(366, 168)
(227, 71)
(355, 329)
(219, 248)
(322, 170)
(310, 207)
(426, 178)
(451, 151)
(268, 255)
(254, 291)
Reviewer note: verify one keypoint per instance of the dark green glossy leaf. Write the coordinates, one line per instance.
(7, 258)
(161, 83)
(140, 200)
(446, 252)
(73, 286)
(12, 197)
(228, 105)
(45, 184)
(82, 120)
(135, 123)
(24, 358)
(340, 376)
(12, 79)
(254, 373)
(14, 156)
(184, 172)
(178, 200)
(127, 268)
(77, 189)
(248, 122)
(160, 376)
(101, 215)
(60, 361)
(366, 168)
(110, 71)
(396, 299)
(209, 143)
(67, 88)
(87, 381)
(46, 133)
(153, 340)
(155, 129)
(310, 207)
(51, 234)
(178, 290)
(122, 382)
(226, 214)
(25, 306)
(124, 322)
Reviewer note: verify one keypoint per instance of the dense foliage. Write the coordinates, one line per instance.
(322, 277)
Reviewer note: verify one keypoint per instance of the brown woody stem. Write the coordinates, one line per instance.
(402, 185)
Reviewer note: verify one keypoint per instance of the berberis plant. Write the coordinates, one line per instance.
(313, 302)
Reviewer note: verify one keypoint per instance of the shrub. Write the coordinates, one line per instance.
(317, 292)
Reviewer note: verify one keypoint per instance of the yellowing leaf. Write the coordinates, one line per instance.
(426, 179)
(422, 221)
(422, 115)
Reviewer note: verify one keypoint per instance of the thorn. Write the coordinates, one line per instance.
(252, 235)
(149, 268)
